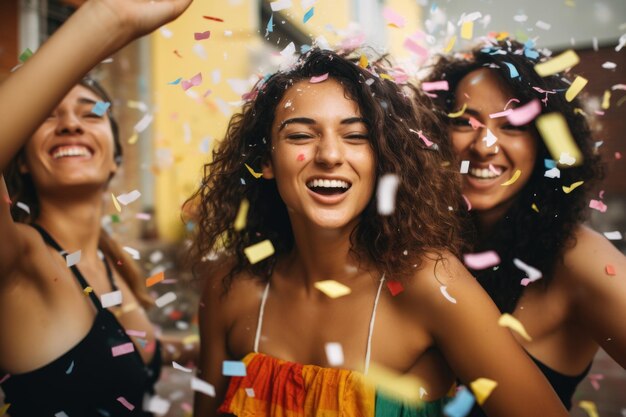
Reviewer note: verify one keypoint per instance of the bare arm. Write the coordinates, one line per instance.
(475, 346)
(599, 298)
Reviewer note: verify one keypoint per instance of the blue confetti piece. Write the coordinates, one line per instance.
(243, 182)
(549, 163)
(512, 70)
(70, 369)
(305, 48)
(308, 15)
(270, 25)
(460, 405)
(176, 81)
(233, 368)
(100, 108)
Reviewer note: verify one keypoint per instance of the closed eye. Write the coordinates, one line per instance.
(460, 122)
(508, 126)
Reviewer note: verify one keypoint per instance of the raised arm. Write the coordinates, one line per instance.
(597, 274)
(475, 346)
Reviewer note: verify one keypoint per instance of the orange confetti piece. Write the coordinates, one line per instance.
(363, 62)
(395, 287)
(155, 279)
(610, 270)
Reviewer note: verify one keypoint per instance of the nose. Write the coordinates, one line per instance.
(69, 123)
(330, 151)
(480, 144)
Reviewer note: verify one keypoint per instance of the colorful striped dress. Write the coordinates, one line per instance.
(276, 388)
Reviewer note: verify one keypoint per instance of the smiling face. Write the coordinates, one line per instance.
(321, 159)
(494, 147)
(73, 146)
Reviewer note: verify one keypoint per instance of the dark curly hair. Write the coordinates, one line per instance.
(428, 198)
(538, 238)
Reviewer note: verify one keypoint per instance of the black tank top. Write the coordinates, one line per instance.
(87, 380)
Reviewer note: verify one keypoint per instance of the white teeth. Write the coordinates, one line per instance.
(328, 183)
(485, 173)
(75, 150)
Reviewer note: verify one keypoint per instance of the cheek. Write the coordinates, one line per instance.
(300, 157)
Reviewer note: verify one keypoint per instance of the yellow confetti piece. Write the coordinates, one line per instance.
(259, 251)
(502, 35)
(534, 207)
(507, 320)
(558, 139)
(458, 113)
(363, 62)
(482, 388)
(572, 187)
(404, 388)
(87, 290)
(576, 87)
(557, 64)
(606, 99)
(116, 203)
(192, 338)
(254, 174)
(242, 215)
(4, 409)
(332, 288)
(589, 407)
(386, 77)
(467, 30)
(450, 45)
(133, 139)
(154, 279)
(513, 178)
(580, 111)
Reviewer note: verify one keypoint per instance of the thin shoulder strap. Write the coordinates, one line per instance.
(259, 324)
(368, 351)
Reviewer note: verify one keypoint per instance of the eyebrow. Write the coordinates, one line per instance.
(85, 100)
(308, 121)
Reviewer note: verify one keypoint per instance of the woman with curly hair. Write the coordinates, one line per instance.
(324, 136)
(67, 317)
(535, 224)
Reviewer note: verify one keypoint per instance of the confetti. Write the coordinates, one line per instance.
(60, 414)
(233, 368)
(595, 379)
(395, 287)
(217, 19)
(404, 388)
(111, 299)
(134, 253)
(458, 113)
(553, 173)
(616, 235)
(176, 365)
(543, 25)
(126, 199)
(557, 137)
(308, 15)
(576, 87)
(157, 405)
(467, 30)
(450, 44)
(332, 288)
(363, 63)
(250, 392)
(482, 388)
(393, 18)
(318, 78)
(414, 47)
(465, 167)
(22, 206)
(73, 258)
(254, 174)
(154, 279)
(116, 204)
(259, 251)
(165, 299)
(386, 194)
(512, 70)
(490, 139)
(444, 291)
(514, 178)
(136, 333)
(202, 386)
(242, 215)
(123, 349)
(166, 33)
(566, 159)
(475, 123)
(557, 64)
(133, 139)
(481, 260)
(334, 353)
(524, 114)
(535, 208)
(572, 187)
(100, 108)
(125, 403)
(610, 270)
(269, 28)
(70, 368)
(435, 86)
(280, 5)
(500, 114)
(87, 290)
(598, 205)
(532, 274)
(202, 35)
(589, 407)
(5, 407)
(460, 405)
(143, 123)
(507, 320)
(606, 100)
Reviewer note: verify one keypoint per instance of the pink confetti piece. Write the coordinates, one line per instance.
(494, 170)
(475, 123)
(598, 205)
(469, 205)
(444, 291)
(393, 18)
(4, 378)
(595, 380)
(122, 349)
(414, 47)
(525, 114)
(202, 35)
(610, 270)
(136, 333)
(601, 194)
(125, 403)
(500, 114)
(618, 155)
(192, 82)
(513, 100)
(436, 86)
(300, 157)
(143, 216)
(481, 260)
(318, 78)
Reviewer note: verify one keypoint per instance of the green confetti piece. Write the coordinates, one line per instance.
(25, 55)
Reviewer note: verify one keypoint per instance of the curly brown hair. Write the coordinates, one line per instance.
(538, 238)
(428, 198)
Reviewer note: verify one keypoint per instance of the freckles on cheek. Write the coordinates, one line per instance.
(300, 157)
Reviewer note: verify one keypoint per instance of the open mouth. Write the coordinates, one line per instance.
(328, 187)
(70, 151)
(486, 173)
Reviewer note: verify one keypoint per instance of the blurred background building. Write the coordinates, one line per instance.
(175, 91)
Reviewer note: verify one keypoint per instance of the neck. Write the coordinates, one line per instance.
(486, 220)
(73, 222)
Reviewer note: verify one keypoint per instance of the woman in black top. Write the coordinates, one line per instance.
(62, 352)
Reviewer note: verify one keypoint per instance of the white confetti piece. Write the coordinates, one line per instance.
(250, 392)
(176, 365)
(23, 206)
(465, 167)
(111, 299)
(134, 253)
(566, 159)
(165, 299)
(60, 414)
(386, 194)
(609, 65)
(143, 123)
(616, 235)
(202, 386)
(166, 33)
(490, 139)
(481, 260)
(156, 405)
(543, 25)
(73, 258)
(532, 274)
(128, 198)
(444, 291)
(334, 353)
(280, 5)
(553, 173)
(200, 52)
